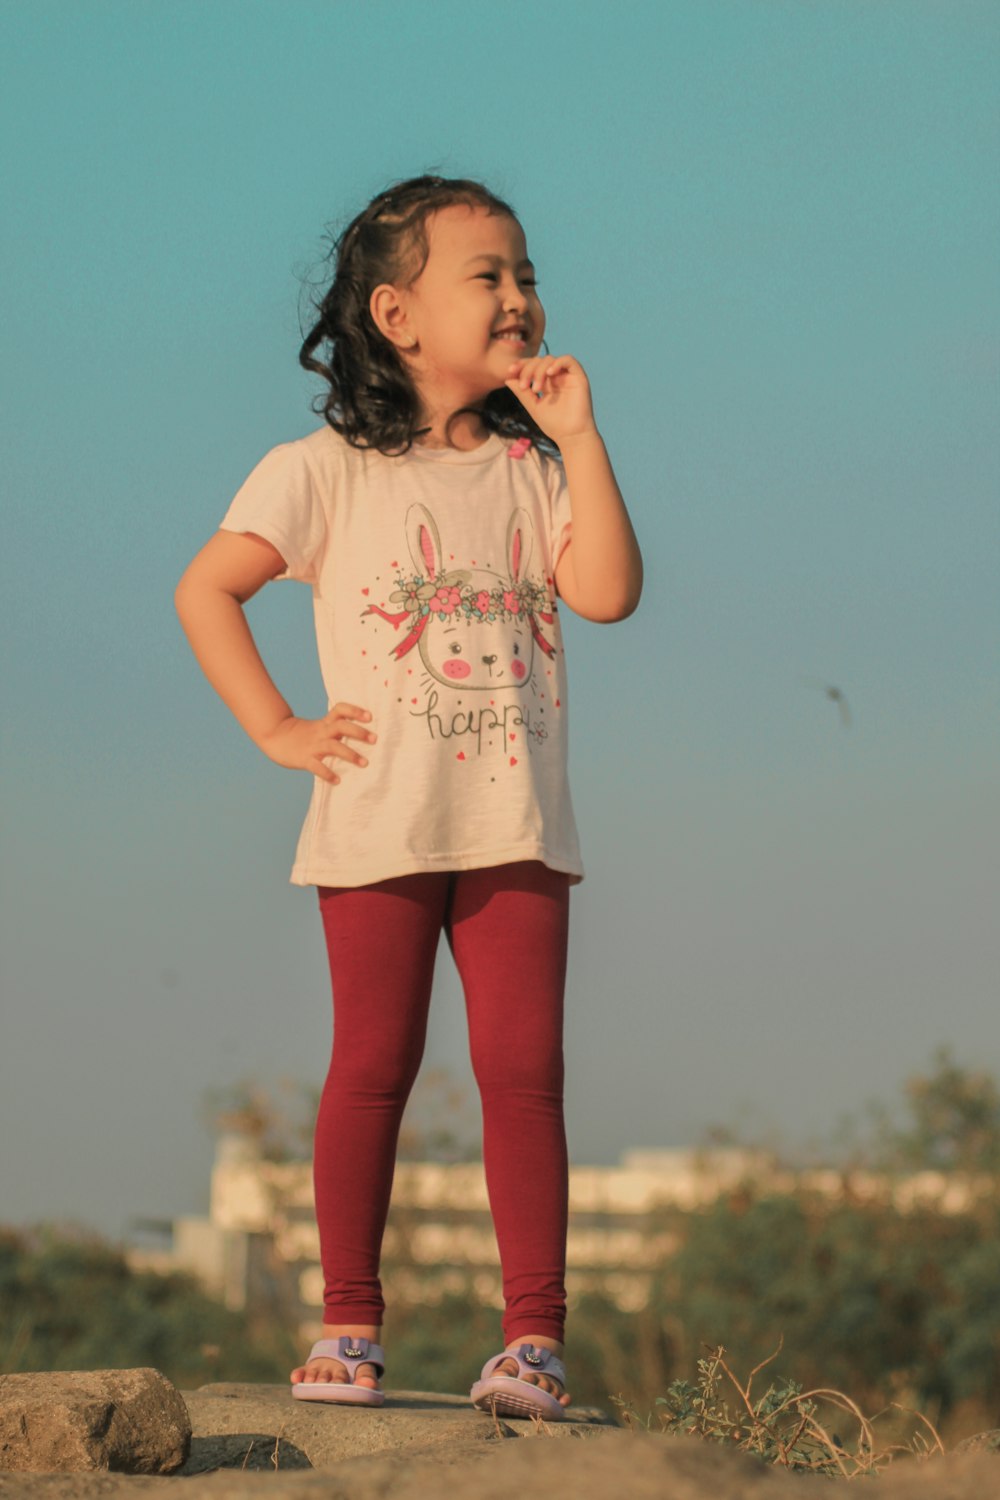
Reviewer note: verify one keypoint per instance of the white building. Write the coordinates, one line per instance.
(260, 1233)
(260, 1240)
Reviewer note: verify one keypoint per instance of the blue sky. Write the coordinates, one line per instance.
(768, 231)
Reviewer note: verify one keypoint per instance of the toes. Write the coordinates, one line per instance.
(321, 1370)
(551, 1386)
(546, 1383)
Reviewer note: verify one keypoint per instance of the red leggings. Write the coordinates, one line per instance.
(507, 927)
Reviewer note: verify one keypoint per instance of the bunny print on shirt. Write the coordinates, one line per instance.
(474, 631)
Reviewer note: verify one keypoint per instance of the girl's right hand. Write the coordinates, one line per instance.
(306, 744)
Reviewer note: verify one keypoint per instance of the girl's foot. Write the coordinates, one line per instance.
(332, 1370)
(545, 1382)
(324, 1368)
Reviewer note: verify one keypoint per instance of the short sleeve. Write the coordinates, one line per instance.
(280, 500)
(561, 528)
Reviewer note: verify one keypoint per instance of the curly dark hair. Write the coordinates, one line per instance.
(372, 400)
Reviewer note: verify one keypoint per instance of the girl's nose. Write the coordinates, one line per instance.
(515, 297)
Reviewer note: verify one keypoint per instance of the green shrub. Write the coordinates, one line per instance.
(69, 1301)
(864, 1297)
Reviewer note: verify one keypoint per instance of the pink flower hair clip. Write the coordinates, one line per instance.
(520, 448)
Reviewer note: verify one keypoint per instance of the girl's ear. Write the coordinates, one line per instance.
(390, 317)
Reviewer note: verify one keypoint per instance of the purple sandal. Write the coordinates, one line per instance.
(352, 1353)
(512, 1396)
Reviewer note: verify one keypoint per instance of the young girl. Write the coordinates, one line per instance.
(458, 485)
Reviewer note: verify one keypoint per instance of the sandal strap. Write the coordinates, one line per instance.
(532, 1359)
(351, 1353)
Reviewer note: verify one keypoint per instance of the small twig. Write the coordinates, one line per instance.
(786, 1448)
(837, 1398)
(938, 1445)
(625, 1407)
(833, 1448)
(248, 1453)
(540, 1425)
(745, 1394)
(764, 1362)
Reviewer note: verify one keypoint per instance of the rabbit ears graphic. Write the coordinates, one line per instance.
(424, 542)
(474, 594)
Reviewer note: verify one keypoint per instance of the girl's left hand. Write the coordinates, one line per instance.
(556, 391)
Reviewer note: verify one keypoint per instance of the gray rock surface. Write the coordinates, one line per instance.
(129, 1421)
(327, 1435)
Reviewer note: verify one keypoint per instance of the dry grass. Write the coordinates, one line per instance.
(786, 1425)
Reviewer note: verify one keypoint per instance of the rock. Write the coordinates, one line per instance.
(325, 1435)
(640, 1466)
(69, 1421)
(981, 1442)
(951, 1476)
(249, 1452)
(421, 1444)
(652, 1467)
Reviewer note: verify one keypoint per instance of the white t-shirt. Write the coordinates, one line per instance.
(435, 607)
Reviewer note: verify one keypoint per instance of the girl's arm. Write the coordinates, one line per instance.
(599, 574)
(228, 571)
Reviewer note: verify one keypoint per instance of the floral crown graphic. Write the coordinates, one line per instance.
(453, 595)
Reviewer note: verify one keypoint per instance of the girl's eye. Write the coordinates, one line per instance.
(492, 276)
(455, 648)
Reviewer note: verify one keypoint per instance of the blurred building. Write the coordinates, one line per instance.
(259, 1242)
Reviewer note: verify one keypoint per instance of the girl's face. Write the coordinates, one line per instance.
(477, 280)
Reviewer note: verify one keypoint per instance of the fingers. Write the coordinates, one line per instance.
(348, 715)
(348, 711)
(315, 745)
(344, 715)
(342, 727)
(536, 373)
(555, 391)
(322, 770)
(336, 751)
(341, 721)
